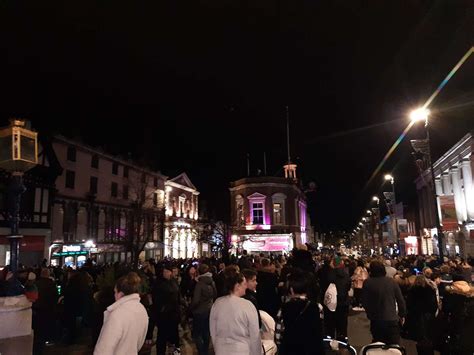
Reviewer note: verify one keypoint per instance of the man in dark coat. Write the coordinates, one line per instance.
(251, 291)
(201, 304)
(44, 310)
(380, 297)
(166, 303)
(267, 289)
(336, 322)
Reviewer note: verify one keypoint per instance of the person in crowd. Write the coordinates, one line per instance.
(251, 291)
(465, 270)
(446, 279)
(219, 280)
(125, 321)
(267, 288)
(390, 271)
(188, 283)
(166, 302)
(458, 306)
(336, 322)
(78, 302)
(422, 306)
(298, 324)
(31, 290)
(381, 297)
(358, 277)
(203, 298)
(233, 320)
(44, 311)
(245, 262)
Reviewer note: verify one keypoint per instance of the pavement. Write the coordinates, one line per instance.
(358, 333)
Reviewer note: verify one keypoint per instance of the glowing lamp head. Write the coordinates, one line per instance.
(375, 198)
(420, 114)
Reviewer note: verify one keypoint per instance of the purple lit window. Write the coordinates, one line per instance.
(257, 213)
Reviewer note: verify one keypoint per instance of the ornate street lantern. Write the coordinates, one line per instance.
(18, 147)
(18, 153)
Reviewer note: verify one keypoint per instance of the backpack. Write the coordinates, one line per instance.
(330, 297)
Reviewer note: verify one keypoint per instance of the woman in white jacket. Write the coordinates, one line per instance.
(125, 321)
(234, 321)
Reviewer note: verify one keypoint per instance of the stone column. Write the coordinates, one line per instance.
(468, 187)
(447, 188)
(459, 200)
(439, 192)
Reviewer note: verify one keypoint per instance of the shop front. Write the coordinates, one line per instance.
(180, 242)
(71, 255)
(270, 243)
(31, 250)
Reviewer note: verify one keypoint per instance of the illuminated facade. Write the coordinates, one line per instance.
(268, 214)
(98, 198)
(180, 235)
(455, 198)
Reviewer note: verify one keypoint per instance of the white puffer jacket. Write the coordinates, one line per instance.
(125, 327)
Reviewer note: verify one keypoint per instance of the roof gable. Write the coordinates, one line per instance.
(183, 179)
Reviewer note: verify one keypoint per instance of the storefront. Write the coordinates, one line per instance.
(71, 255)
(31, 250)
(274, 243)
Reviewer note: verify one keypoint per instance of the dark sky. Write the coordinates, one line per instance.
(196, 85)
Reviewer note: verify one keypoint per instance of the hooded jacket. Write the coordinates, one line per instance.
(458, 304)
(204, 294)
(124, 329)
(343, 284)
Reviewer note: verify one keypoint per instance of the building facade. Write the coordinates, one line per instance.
(180, 233)
(35, 208)
(268, 214)
(105, 207)
(454, 188)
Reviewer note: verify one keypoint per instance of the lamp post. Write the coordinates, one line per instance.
(18, 153)
(422, 114)
(379, 226)
(393, 201)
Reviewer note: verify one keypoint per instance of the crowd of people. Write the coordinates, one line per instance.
(254, 304)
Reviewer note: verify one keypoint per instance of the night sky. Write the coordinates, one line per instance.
(196, 85)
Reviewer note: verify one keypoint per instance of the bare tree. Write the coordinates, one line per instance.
(218, 235)
(145, 220)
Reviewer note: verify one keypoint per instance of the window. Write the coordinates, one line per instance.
(257, 213)
(155, 182)
(125, 192)
(95, 161)
(93, 185)
(71, 153)
(125, 171)
(114, 189)
(70, 179)
(115, 168)
(155, 199)
(277, 213)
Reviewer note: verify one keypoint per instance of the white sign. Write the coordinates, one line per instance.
(67, 248)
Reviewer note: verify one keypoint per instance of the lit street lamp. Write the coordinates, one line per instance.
(422, 114)
(18, 153)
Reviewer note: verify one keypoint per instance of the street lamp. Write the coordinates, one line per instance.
(393, 201)
(422, 114)
(18, 153)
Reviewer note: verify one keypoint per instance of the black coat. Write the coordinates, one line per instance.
(166, 299)
(303, 333)
(343, 284)
(421, 310)
(458, 308)
(267, 292)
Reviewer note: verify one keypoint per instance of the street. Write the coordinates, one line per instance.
(359, 335)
